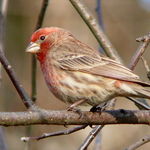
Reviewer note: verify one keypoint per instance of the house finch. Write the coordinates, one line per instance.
(74, 71)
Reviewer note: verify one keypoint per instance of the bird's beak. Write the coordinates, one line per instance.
(33, 47)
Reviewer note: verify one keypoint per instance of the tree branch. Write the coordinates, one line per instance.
(90, 137)
(57, 133)
(141, 49)
(71, 118)
(3, 13)
(139, 143)
(11, 73)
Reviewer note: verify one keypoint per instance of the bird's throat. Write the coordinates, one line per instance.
(41, 57)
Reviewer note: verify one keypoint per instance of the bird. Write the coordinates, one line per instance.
(78, 74)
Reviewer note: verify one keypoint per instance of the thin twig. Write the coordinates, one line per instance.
(99, 13)
(98, 10)
(145, 40)
(46, 135)
(0, 73)
(96, 30)
(109, 106)
(3, 144)
(146, 67)
(33, 78)
(11, 73)
(42, 14)
(139, 143)
(145, 64)
(90, 137)
(34, 62)
(3, 14)
(98, 141)
(140, 103)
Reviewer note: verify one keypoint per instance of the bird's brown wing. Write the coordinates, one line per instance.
(97, 65)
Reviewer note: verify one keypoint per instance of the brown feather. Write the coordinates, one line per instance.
(74, 58)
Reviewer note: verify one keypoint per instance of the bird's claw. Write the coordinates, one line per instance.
(76, 110)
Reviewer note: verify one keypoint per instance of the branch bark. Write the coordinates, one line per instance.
(140, 51)
(11, 73)
(71, 118)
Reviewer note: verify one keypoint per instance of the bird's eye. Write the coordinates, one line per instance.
(42, 37)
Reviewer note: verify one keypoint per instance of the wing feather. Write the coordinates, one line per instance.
(90, 61)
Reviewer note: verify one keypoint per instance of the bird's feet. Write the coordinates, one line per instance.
(74, 108)
(99, 108)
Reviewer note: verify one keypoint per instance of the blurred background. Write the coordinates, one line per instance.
(123, 21)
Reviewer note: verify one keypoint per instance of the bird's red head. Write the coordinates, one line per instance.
(42, 40)
(42, 33)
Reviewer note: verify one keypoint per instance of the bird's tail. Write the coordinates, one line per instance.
(142, 92)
